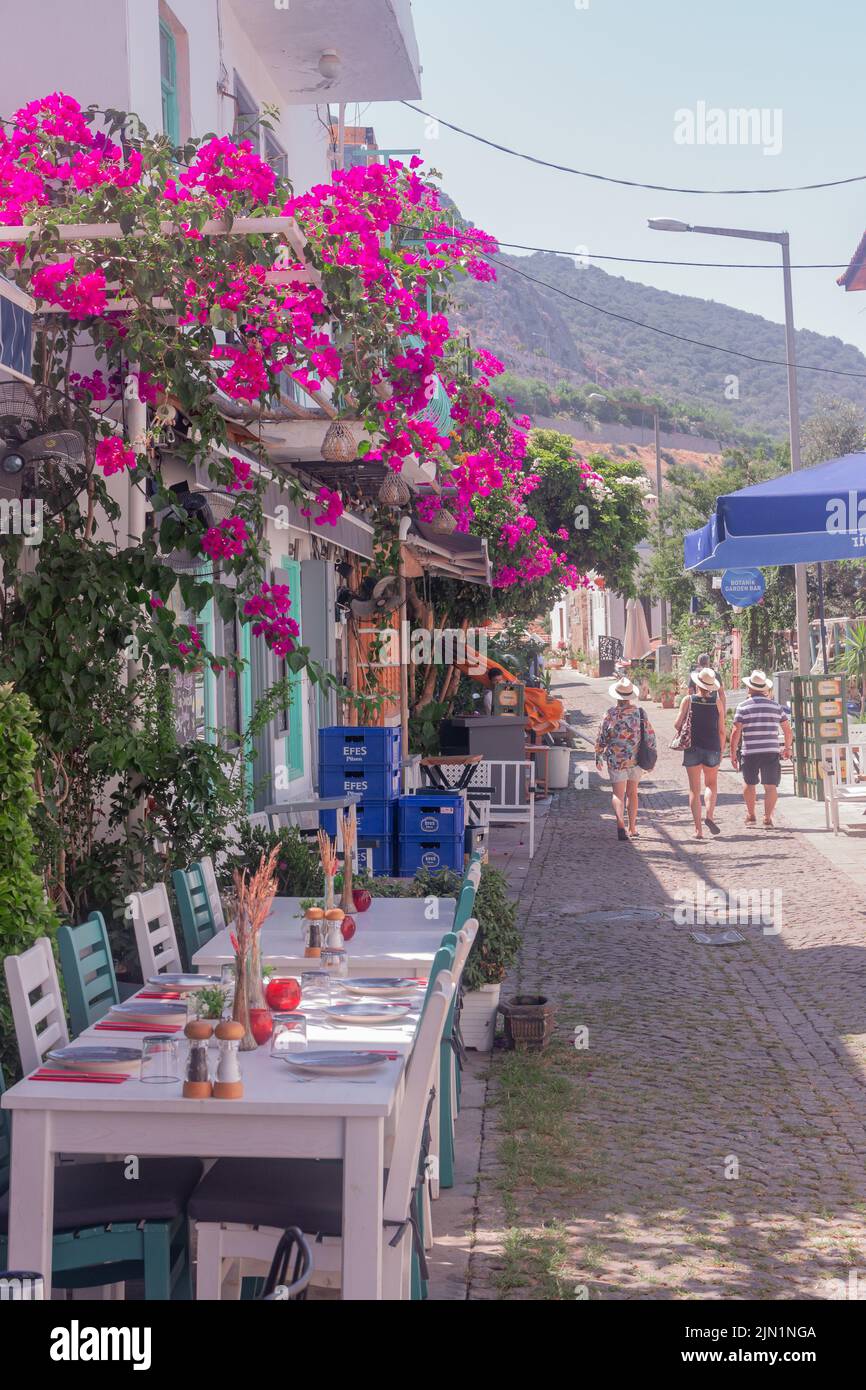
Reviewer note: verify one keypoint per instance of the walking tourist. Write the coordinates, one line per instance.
(616, 749)
(703, 755)
(756, 729)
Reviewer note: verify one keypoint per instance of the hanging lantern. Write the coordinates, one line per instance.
(338, 445)
(444, 522)
(394, 491)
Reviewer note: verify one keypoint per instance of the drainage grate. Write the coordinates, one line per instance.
(724, 938)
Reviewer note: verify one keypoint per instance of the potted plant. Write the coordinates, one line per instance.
(667, 684)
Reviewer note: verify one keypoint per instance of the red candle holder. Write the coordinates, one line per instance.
(261, 1025)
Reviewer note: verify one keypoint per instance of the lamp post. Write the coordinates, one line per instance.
(782, 239)
(633, 405)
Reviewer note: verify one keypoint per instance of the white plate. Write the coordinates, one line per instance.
(175, 983)
(333, 1063)
(152, 1010)
(367, 1013)
(101, 1059)
(381, 988)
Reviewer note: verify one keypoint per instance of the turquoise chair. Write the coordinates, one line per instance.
(88, 972)
(100, 1236)
(465, 904)
(196, 915)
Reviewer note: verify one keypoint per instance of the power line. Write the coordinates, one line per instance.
(630, 260)
(624, 183)
(667, 333)
(644, 260)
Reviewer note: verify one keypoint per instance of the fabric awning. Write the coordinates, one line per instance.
(811, 515)
(16, 332)
(450, 555)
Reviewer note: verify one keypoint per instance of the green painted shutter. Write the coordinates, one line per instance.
(168, 81)
(295, 712)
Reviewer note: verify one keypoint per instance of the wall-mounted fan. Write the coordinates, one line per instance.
(189, 505)
(36, 461)
(377, 597)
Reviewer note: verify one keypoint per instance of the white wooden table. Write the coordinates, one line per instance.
(329, 1118)
(387, 941)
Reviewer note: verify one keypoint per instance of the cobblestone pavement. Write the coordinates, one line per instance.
(717, 1123)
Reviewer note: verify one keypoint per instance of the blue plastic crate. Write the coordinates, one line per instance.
(375, 818)
(413, 854)
(380, 859)
(343, 745)
(432, 815)
(372, 783)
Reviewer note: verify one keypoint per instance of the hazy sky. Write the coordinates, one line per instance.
(599, 88)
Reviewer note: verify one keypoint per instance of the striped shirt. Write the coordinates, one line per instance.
(759, 718)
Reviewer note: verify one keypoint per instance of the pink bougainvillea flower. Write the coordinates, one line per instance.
(112, 455)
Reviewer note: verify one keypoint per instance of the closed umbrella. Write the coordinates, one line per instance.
(637, 643)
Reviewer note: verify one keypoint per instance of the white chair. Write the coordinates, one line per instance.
(41, 1024)
(513, 796)
(844, 769)
(213, 892)
(232, 1245)
(155, 936)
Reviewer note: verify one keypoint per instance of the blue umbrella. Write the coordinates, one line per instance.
(812, 515)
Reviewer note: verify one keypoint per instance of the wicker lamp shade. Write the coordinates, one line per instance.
(338, 445)
(444, 521)
(394, 491)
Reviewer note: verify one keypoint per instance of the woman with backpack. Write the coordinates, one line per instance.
(701, 723)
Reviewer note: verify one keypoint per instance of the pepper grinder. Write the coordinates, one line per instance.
(197, 1082)
(228, 1085)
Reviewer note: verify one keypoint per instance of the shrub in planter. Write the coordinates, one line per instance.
(498, 941)
(25, 913)
(299, 870)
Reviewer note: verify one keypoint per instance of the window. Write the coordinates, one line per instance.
(276, 156)
(246, 115)
(168, 80)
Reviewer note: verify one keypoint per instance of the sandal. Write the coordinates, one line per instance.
(634, 834)
(751, 822)
(621, 832)
(713, 828)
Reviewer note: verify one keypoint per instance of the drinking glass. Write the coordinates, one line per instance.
(227, 982)
(289, 1035)
(160, 1059)
(315, 987)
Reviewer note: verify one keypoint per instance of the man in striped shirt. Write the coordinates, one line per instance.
(756, 726)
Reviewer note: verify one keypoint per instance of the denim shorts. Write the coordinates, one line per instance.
(701, 757)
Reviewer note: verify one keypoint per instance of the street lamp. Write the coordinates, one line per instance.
(782, 239)
(633, 405)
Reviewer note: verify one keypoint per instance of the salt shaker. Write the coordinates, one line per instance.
(333, 922)
(228, 1085)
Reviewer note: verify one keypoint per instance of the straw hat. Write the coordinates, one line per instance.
(705, 679)
(760, 681)
(622, 690)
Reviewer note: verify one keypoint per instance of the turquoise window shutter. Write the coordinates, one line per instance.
(168, 82)
(290, 575)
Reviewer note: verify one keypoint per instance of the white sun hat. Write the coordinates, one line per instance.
(705, 679)
(758, 680)
(622, 690)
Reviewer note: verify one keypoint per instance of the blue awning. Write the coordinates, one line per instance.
(798, 518)
(16, 330)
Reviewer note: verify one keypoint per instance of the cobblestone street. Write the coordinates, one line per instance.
(716, 1122)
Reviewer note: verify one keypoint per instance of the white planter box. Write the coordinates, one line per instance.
(478, 1018)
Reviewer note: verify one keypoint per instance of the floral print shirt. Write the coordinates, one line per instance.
(619, 737)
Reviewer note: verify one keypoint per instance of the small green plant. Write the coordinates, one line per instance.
(210, 1002)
